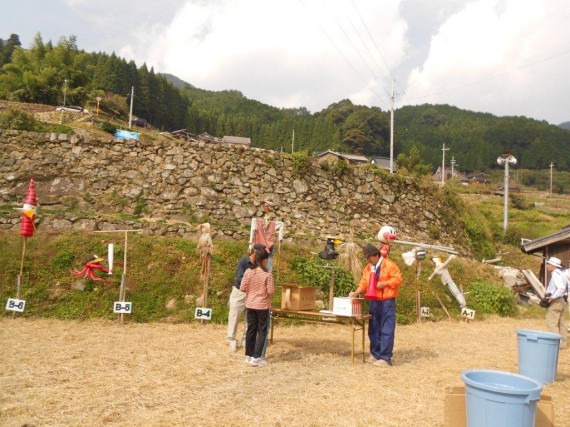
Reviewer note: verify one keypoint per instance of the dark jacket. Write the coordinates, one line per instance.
(242, 265)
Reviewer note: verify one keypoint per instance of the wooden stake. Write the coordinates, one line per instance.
(19, 278)
(442, 306)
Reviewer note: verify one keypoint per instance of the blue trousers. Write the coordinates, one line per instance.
(381, 328)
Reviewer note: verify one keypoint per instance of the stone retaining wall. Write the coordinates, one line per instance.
(167, 186)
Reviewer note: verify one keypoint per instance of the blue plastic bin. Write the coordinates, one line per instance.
(500, 399)
(538, 354)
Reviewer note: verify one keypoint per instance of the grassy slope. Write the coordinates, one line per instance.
(162, 268)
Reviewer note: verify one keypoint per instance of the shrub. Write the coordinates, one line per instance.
(301, 161)
(18, 120)
(313, 272)
(521, 203)
(492, 299)
(340, 167)
(108, 127)
(479, 236)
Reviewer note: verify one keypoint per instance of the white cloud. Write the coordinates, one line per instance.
(506, 57)
(283, 53)
(490, 57)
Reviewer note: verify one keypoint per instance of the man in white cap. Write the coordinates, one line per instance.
(557, 293)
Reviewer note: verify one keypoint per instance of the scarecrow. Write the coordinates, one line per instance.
(91, 264)
(27, 227)
(386, 236)
(446, 280)
(206, 249)
(329, 252)
(27, 223)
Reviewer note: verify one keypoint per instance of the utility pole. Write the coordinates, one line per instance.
(64, 90)
(551, 166)
(506, 159)
(452, 167)
(443, 164)
(392, 130)
(293, 142)
(131, 109)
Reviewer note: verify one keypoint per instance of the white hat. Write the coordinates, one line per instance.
(555, 262)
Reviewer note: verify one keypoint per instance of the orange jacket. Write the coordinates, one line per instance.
(390, 273)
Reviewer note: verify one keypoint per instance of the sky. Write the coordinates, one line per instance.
(504, 57)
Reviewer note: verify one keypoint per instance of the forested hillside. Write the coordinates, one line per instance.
(45, 73)
(477, 139)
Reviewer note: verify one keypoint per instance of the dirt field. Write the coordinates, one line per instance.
(58, 373)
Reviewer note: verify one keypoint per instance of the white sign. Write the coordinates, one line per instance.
(424, 311)
(203, 313)
(466, 312)
(122, 307)
(14, 304)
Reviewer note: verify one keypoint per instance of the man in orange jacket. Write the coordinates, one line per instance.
(383, 277)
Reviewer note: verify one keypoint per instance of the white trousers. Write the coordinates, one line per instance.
(237, 311)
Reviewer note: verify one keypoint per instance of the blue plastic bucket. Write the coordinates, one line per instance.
(495, 398)
(538, 354)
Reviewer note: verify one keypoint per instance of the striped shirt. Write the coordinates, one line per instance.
(258, 287)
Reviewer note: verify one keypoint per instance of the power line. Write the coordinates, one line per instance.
(340, 51)
(375, 45)
(374, 76)
(492, 77)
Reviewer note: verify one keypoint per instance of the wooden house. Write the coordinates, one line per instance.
(555, 244)
(237, 140)
(206, 137)
(333, 156)
(384, 163)
(182, 134)
(448, 172)
(480, 177)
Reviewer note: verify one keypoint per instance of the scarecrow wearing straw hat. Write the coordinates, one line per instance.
(91, 264)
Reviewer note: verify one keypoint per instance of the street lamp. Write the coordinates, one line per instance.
(506, 159)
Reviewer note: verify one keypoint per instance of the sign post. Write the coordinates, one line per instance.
(120, 307)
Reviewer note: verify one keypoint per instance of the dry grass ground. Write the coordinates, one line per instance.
(95, 373)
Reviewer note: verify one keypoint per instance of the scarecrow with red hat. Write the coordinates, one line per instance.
(27, 226)
(27, 223)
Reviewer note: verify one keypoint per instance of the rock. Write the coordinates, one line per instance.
(170, 304)
(78, 285)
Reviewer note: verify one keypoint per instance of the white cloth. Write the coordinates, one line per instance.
(237, 311)
(558, 284)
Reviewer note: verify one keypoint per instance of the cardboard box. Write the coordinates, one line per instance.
(295, 297)
(344, 306)
(455, 413)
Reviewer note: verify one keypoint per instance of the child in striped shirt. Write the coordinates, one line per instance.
(257, 283)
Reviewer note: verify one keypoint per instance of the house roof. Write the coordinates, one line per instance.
(205, 136)
(355, 158)
(383, 163)
(236, 140)
(536, 245)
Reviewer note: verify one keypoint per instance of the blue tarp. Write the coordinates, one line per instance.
(125, 134)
